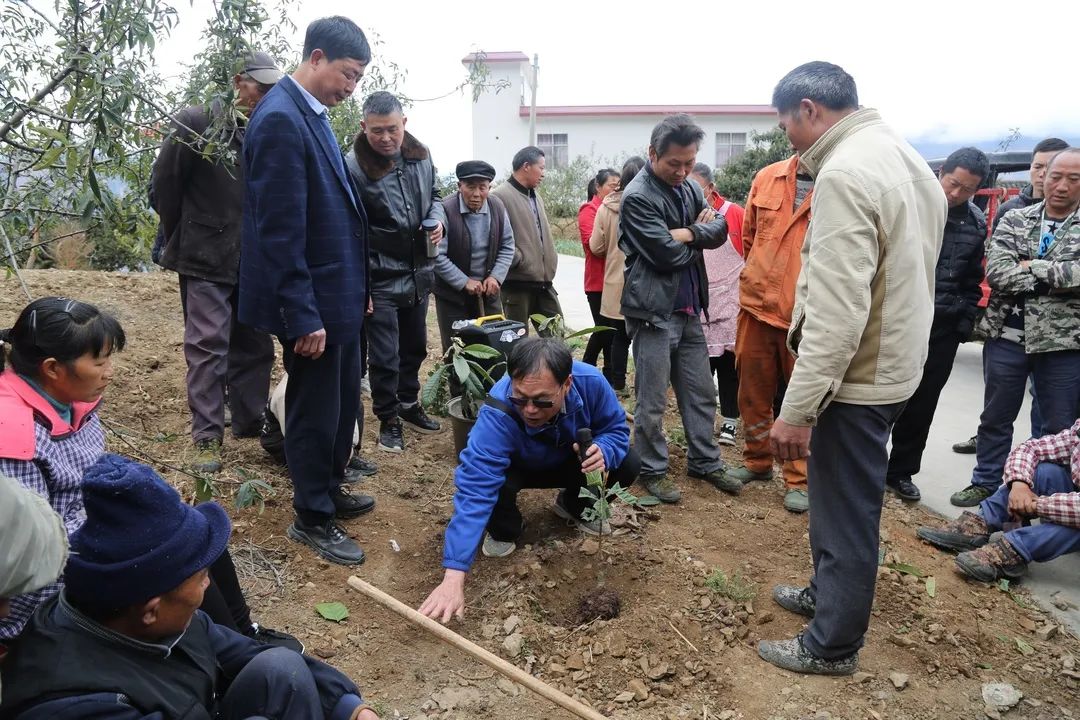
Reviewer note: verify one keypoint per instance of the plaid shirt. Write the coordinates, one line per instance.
(1062, 449)
(55, 473)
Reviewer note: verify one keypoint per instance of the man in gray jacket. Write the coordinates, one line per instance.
(664, 226)
(399, 189)
(860, 328)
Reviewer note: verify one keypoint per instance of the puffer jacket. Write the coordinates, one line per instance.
(1050, 287)
(397, 200)
(864, 302)
(959, 272)
(654, 260)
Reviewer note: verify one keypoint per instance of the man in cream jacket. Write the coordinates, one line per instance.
(863, 307)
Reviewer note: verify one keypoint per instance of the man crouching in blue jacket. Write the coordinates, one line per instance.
(524, 438)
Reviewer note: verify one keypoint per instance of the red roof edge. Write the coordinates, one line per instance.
(565, 110)
(510, 56)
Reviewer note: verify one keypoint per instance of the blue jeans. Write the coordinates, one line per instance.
(1042, 542)
(1005, 371)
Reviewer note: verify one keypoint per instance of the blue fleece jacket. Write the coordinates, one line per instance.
(498, 441)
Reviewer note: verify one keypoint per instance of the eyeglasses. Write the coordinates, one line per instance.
(538, 404)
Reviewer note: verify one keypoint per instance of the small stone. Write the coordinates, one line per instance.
(508, 687)
(513, 644)
(665, 689)
(324, 653)
(1001, 695)
(488, 631)
(590, 546)
(575, 662)
(640, 690)
(1046, 632)
(992, 713)
(624, 697)
(765, 617)
(861, 677)
(659, 672)
(557, 669)
(511, 624)
(901, 640)
(1027, 623)
(899, 680)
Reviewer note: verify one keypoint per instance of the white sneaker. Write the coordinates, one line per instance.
(726, 436)
(497, 548)
(595, 527)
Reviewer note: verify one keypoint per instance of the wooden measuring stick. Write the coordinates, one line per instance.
(493, 661)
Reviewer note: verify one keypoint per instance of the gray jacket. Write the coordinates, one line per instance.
(397, 198)
(654, 260)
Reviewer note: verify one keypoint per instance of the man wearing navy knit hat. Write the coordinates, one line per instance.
(128, 612)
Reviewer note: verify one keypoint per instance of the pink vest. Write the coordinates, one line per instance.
(19, 403)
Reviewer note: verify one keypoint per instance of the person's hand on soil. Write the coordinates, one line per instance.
(1022, 500)
(448, 599)
(491, 287)
(311, 345)
(594, 459)
(789, 442)
(474, 287)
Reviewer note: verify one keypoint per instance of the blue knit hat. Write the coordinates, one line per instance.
(140, 540)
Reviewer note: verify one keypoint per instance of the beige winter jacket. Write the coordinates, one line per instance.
(604, 243)
(865, 296)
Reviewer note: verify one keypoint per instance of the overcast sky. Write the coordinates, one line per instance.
(938, 71)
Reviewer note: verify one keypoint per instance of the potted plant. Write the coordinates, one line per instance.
(470, 372)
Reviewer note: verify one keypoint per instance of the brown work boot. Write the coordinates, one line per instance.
(967, 532)
(992, 562)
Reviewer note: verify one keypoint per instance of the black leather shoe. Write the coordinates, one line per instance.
(348, 506)
(965, 448)
(418, 420)
(362, 465)
(266, 636)
(903, 488)
(328, 540)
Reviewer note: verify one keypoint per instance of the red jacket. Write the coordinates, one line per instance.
(734, 217)
(594, 266)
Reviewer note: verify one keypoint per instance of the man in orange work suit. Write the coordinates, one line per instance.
(777, 216)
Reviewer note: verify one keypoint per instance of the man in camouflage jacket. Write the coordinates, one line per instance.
(1032, 323)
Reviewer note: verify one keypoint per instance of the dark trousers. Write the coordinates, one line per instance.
(397, 345)
(321, 401)
(506, 523)
(598, 342)
(519, 302)
(846, 476)
(221, 352)
(913, 426)
(1046, 540)
(615, 361)
(223, 600)
(727, 381)
(1005, 372)
(276, 684)
(448, 312)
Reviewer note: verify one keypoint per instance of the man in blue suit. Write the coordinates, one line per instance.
(303, 275)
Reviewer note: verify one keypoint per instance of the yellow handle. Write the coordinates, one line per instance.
(482, 320)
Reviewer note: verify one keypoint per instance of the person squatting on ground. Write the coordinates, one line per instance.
(1042, 480)
(475, 253)
(604, 243)
(664, 227)
(56, 366)
(304, 276)
(859, 330)
(776, 219)
(957, 293)
(399, 190)
(199, 196)
(129, 614)
(1032, 322)
(601, 186)
(528, 289)
(524, 437)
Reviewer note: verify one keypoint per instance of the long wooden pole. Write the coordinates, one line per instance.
(493, 661)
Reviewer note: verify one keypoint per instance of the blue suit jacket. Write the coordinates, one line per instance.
(304, 249)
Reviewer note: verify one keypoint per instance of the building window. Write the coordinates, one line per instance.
(556, 149)
(728, 147)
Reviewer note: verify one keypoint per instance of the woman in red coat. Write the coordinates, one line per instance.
(600, 187)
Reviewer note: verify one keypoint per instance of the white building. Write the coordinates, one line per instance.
(605, 133)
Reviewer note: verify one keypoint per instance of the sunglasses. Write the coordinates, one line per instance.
(538, 404)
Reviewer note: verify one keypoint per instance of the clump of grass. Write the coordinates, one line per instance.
(734, 587)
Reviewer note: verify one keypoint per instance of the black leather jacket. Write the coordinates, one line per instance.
(654, 260)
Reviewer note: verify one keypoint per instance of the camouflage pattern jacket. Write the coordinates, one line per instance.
(1050, 286)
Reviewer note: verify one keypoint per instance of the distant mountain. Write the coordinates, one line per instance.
(931, 149)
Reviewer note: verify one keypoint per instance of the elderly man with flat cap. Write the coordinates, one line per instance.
(198, 192)
(476, 251)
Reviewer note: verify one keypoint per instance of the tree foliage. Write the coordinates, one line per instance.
(765, 148)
